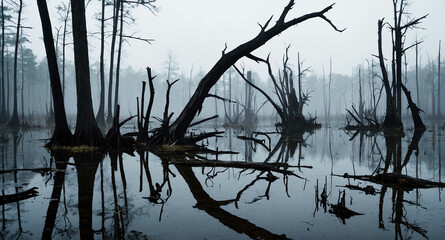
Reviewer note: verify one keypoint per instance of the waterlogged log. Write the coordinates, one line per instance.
(4, 199)
(396, 180)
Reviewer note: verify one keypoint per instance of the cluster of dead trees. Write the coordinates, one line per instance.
(393, 88)
(87, 131)
(290, 105)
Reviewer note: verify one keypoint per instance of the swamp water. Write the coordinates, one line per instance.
(143, 197)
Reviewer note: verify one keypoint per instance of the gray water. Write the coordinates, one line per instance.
(223, 203)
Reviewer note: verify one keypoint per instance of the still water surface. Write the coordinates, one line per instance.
(145, 197)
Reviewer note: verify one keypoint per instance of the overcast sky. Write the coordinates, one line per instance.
(195, 31)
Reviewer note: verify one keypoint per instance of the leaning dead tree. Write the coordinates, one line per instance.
(178, 129)
(290, 106)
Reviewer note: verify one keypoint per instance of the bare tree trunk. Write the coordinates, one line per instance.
(392, 121)
(87, 132)
(22, 102)
(433, 91)
(190, 82)
(300, 98)
(113, 43)
(417, 73)
(325, 102)
(230, 93)
(360, 106)
(62, 134)
(8, 80)
(64, 47)
(15, 121)
(119, 51)
(398, 56)
(329, 90)
(143, 134)
(100, 117)
(438, 82)
(3, 115)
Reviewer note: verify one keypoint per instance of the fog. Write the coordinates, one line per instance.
(194, 33)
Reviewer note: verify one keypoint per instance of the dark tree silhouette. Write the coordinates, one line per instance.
(62, 134)
(392, 117)
(15, 120)
(392, 120)
(290, 106)
(178, 129)
(87, 132)
(117, 5)
(100, 117)
(394, 100)
(3, 115)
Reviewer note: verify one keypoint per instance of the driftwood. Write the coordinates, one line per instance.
(4, 199)
(395, 180)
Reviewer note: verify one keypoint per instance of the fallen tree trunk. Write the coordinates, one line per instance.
(396, 180)
(179, 127)
(4, 199)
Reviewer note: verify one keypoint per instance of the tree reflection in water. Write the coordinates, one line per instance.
(112, 196)
(398, 183)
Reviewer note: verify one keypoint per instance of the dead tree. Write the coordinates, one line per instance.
(62, 134)
(290, 106)
(87, 132)
(144, 121)
(392, 120)
(399, 30)
(178, 129)
(366, 119)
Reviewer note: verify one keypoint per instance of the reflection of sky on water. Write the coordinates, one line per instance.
(278, 213)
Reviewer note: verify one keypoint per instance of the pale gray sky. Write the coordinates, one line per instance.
(195, 31)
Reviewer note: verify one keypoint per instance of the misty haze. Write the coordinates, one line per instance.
(254, 119)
